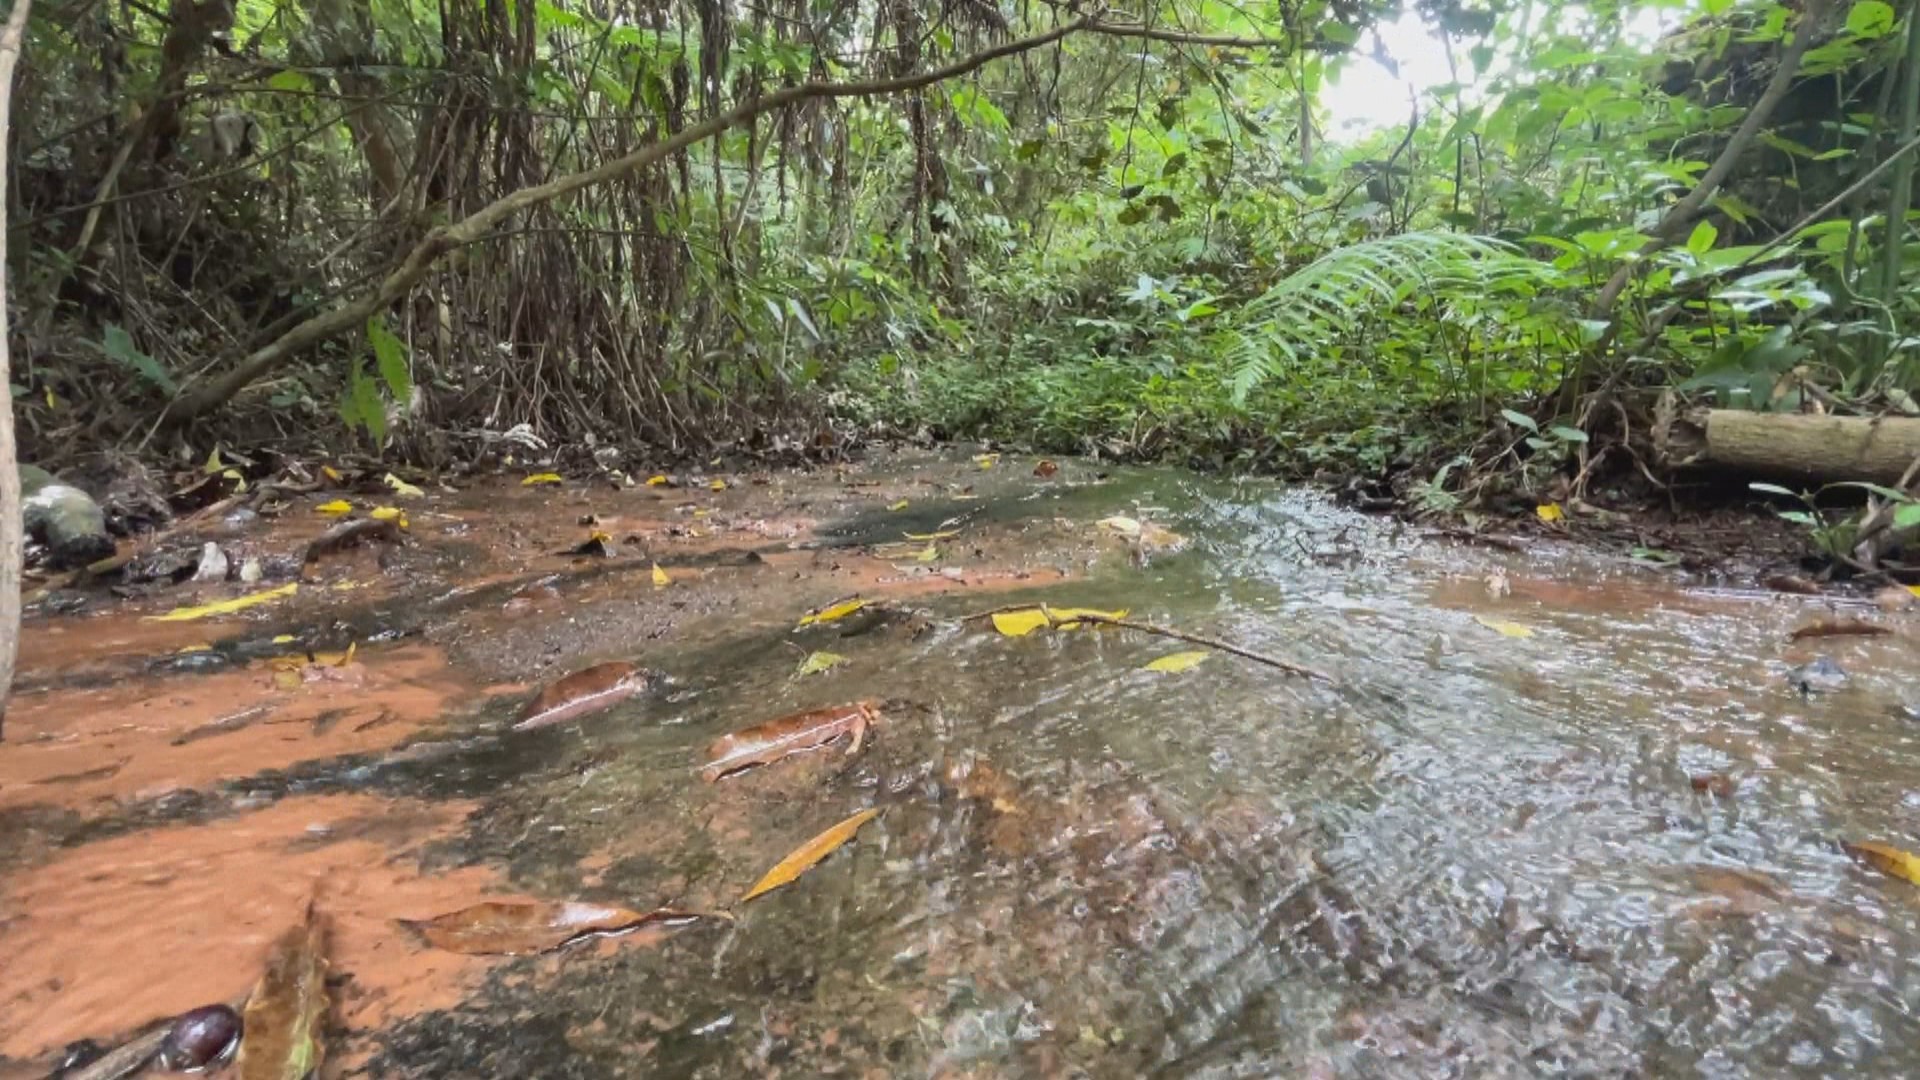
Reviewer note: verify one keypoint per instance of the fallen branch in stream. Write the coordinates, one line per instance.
(1080, 616)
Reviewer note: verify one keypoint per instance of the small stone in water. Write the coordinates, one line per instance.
(201, 1037)
(1820, 673)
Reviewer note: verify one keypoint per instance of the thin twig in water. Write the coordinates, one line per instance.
(1195, 639)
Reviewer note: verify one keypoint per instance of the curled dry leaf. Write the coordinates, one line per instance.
(1045, 469)
(807, 855)
(763, 744)
(583, 693)
(1024, 621)
(228, 607)
(1838, 628)
(508, 928)
(839, 609)
(288, 1006)
(1886, 858)
(351, 534)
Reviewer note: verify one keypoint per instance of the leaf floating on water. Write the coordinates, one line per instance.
(402, 488)
(837, 610)
(1886, 859)
(798, 733)
(1549, 512)
(350, 534)
(1025, 621)
(986, 461)
(541, 478)
(1121, 524)
(660, 578)
(1503, 627)
(228, 607)
(901, 505)
(927, 554)
(810, 853)
(337, 506)
(506, 928)
(1174, 663)
(819, 662)
(284, 1015)
(1045, 469)
(583, 693)
(1838, 628)
(945, 534)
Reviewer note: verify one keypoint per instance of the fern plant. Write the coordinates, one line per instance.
(1305, 313)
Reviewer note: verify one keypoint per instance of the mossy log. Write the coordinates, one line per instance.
(1793, 447)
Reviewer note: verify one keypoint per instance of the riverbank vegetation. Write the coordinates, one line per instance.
(407, 231)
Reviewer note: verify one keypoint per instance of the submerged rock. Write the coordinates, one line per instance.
(1817, 675)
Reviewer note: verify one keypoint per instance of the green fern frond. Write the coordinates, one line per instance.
(1306, 311)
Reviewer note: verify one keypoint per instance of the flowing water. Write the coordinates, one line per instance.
(1481, 851)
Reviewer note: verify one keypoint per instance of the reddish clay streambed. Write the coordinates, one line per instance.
(1482, 853)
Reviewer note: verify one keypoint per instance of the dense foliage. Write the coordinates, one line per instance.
(1134, 239)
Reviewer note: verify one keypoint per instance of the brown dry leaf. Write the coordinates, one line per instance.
(1718, 785)
(508, 928)
(1045, 469)
(1791, 583)
(768, 742)
(1838, 628)
(349, 534)
(583, 693)
(1886, 859)
(808, 854)
(285, 1014)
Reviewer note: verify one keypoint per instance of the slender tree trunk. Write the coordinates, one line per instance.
(12, 551)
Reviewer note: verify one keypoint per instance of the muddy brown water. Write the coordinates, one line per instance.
(1479, 854)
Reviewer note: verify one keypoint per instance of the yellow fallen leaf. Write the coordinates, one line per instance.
(944, 535)
(1509, 629)
(901, 505)
(1549, 512)
(282, 639)
(827, 614)
(541, 478)
(239, 481)
(1025, 621)
(808, 854)
(660, 578)
(213, 464)
(818, 662)
(227, 607)
(718, 485)
(1886, 859)
(1173, 663)
(389, 513)
(196, 648)
(927, 554)
(401, 487)
(1914, 589)
(701, 512)
(337, 506)
(331, 473)
(656, 481)
(987, 461)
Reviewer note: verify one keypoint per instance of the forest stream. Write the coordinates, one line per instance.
(1550, 813)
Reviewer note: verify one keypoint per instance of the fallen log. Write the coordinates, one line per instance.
(1792, 446)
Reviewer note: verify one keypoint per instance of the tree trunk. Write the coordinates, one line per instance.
(1794, 447)
(12, 550)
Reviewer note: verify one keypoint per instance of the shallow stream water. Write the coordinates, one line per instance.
(1481, 850)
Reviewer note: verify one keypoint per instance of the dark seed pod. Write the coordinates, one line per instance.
(199, 1038)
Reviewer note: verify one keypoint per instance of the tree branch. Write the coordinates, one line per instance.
(12, 546)
(1682, 213)
(416, 264)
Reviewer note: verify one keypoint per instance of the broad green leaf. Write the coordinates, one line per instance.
(1701, 241)
(390, 359)
(1520, 419)
(1870, 18)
